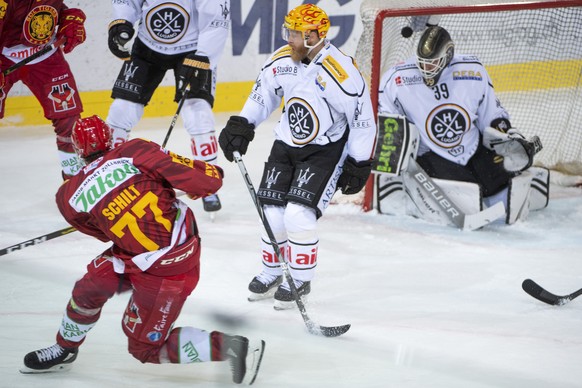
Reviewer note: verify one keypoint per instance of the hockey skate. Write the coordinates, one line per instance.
(52, 359)
(245, 359)
(211, 203)
(284, 298)
(263, 286)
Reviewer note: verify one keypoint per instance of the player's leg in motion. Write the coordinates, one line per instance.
(83, 310)
(265, 284)
(199, 122)
(122, 117)
(301, 225)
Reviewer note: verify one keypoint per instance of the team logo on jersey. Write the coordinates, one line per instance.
(39, 25)
(303, 122)
(62, 97)
(447, 124)
(167, 23)
(3, 6)
(131, 317)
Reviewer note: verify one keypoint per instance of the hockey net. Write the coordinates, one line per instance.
(531, 49)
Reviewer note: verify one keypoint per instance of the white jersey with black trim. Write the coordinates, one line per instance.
(321, 101)
(179, 26)
(448, 115)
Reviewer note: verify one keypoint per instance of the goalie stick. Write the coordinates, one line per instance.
(34, 56)
(541, 294)
(426, 187)
(313, 328)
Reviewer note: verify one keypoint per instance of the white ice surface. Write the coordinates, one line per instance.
(430, 306)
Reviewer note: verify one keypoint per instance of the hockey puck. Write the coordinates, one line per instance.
(406, 32)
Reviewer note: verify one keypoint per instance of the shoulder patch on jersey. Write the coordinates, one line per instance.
(335, 69)
(282, 52)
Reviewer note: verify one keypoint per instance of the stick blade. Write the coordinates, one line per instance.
(325, 331)
(538, 292)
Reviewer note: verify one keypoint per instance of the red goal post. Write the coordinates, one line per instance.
(531, 49)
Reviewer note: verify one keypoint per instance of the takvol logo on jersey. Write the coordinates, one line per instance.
(303, 122)
(447, 124)
(167, 22)
(101, 182)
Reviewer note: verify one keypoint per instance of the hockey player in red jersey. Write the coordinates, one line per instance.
(26, 27)
(126, 195)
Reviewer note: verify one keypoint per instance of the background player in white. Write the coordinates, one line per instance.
(463, 127)
(323, 141)
(185, 36)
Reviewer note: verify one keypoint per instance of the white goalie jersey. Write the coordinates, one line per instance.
(179, 26)
(321, 101)
(449, 115)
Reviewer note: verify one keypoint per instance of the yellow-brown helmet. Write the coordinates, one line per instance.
(306, 18)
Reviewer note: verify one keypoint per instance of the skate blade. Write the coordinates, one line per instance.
(280, 305)
(57, 368)
(253, 361)
(254, 297)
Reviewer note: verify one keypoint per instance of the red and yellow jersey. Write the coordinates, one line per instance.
(127, 196)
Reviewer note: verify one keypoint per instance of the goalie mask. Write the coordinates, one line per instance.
(435, 51)
(91, 137)
(304, 19)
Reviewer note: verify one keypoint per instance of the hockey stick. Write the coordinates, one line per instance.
(313, 328)
(426, 187)
(184, 91)
(38, 240)
(541, 294)
(34, 56)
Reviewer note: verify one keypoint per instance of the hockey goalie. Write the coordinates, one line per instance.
(446, 151)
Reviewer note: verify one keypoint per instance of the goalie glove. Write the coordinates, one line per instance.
(354, 175)
(120, 32)
(236, 136)
(71, 26)
(517, 152)
(194, 71)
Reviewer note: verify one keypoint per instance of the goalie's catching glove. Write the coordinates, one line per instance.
(72, 27)
(194, 71)
(354, 175)
(236, 136)
(518, 153)
(120, 32)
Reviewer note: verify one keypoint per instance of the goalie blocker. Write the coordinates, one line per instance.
(396, 191)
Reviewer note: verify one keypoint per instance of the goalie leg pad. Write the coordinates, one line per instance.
(390, 195)
(518, 198)
(540, 188)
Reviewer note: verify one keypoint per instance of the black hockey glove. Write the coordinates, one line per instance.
(194, 71)
(354, 175)
(236, 136)
(120, 32)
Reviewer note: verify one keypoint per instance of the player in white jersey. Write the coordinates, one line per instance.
(465, 133)
(183, 35)
(323, 141)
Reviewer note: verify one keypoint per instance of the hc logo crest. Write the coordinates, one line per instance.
(62, 97)
(303, 122)
(447, 124)
(167, 23)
